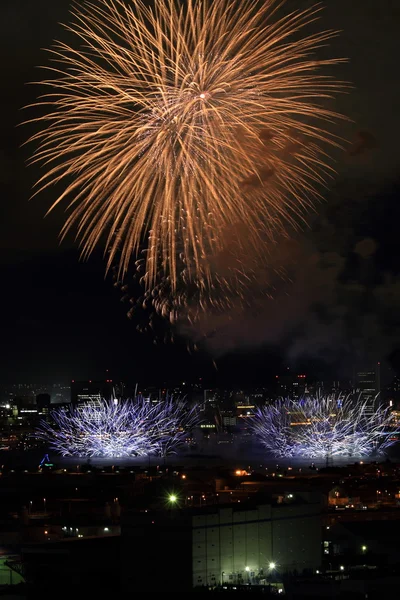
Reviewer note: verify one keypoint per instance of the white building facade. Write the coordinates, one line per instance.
(233, 545)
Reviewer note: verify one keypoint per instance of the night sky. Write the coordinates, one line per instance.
(62, 318)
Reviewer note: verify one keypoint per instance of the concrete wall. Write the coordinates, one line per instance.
(233, 546)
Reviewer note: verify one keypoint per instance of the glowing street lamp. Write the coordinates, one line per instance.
(364, 548)
(172, 499)
(272, 566)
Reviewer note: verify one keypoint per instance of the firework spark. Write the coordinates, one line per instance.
(324, 426)
(106, 429)
(172, 124)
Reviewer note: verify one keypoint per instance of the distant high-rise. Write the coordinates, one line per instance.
(60, 393)
(368, 384)
(291, 384)
(43, 403)
(91, 391)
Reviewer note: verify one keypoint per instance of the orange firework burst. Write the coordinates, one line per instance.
(175, 123)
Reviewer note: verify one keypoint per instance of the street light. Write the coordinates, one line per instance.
(172, 498)
(341, 567)
(364, 548)
(247, 569)
(272, 566)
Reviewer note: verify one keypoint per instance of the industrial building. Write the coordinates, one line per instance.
(224, 544)
(247, 545)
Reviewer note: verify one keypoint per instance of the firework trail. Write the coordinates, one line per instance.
(323, 427)
(163, 309)
(173, 124)
(125, 429)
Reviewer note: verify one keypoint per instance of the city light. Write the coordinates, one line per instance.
(324, 426)
(272, 566)
(364, 548)
(241, 473)
(172, 498)
(132, 428)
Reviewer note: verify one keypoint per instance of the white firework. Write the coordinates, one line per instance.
(325, 426)
(125, 429)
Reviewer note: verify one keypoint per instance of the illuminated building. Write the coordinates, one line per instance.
(244, 409)
(293, 385)
(368, 384)
(243, 545)
(229, 419)
(240, 543)
(91, 391)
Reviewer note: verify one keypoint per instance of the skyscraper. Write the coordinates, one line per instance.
(91, 391)
(368, 385)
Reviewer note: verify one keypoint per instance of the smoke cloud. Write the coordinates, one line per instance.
(339, 299)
